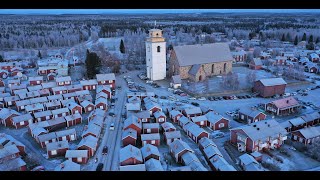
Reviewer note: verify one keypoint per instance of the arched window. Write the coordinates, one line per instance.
(157, 34)
(212, 70)
(158, 49)
(225, 67)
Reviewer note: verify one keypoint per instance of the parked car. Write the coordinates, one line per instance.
(294, 93)
(163, 97)
(105, 150)
(112, 114)
(192, 98)
(183, 94)
(112, 126)
(286, 94)
(149, 81)
(99, 167)
(38, 168)
(185, 101)
(202, 99)
(195, 103)
(217, 134)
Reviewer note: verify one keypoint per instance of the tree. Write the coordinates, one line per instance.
(93, 64)
(296, 40)
(1, 58)
(288, 37)
(252, 35)
(256, 52)
(39, 54)
(304, 37)
(317, 40)
(116, 67)
(249, 58)
(122, 48)
(251, 77)
(283, 38)
(311, 39)
(313, 149)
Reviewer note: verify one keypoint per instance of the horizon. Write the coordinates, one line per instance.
(147, 11)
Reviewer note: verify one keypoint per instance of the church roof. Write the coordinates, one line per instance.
(194, 69)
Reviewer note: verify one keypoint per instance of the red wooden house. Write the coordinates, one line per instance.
(153, 139)
(74, 108)
(195, 132)
(255, 64)
(150, 128)
(63, 81)
(283, 106)
(130, 155)
(160, 117)
(175, 115)
(87, 106)
(6, 116)
(216, 121)
(143, 116)
(133, 123)
(22, 120)
(178, 148)
(74, 88)
(200, 120)
(150, 151)
(51, 76)
(270, 87)
(101, 103)
(77, 156)
(66, 135)
(192, 112)
(53, 105)
(56, 149)
(306, 135)
(104, 89)
(59, 90)
(36, 80)
(107, 79)
(73, 119)
(89, 143)
(171, 136)
(42, 116)
(60, 112)
(129, 136)
(167, 127)
(152, 107)
(89, 84)
(44, 139)
(91, 130)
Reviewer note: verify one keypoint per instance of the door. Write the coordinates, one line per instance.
(72, 137)
(200, 78)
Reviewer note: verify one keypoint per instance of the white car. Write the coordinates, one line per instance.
(202, 99)
(112, 126)
(294, 93)
(192, 98)
(286, 94)
(149, 81)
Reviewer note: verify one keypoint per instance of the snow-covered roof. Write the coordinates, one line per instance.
(153, 136)
(148, 150)
(74, 87)
(133, 106)
(5, 95)
(214, 118)
(12, 164)
(136, 167)
(176, 79)
(5, 112)
(199, 118)
(68, 165)
(11, 98)
(47, 137)
(97, 112)
(129, 132)
(33, 107)
(100, 88)
(73, 117)
(89, 141)
(310, 132)
(189, 157)
(89, 82)
(194, 129)
(256, 154)
(55, 97)
(149, 99)
(24, 117)
(150, 125)
(97, 120)
(134, 99)
(93, 129)
(142, 114)
(272, 81)
(60, 111)
(59, 88)
(159, 114)
(211, 150)
(35, 78)
(311, 116)
(173, 134)
(63, 79)
(34, 88)
(72, 105)
(86, 103)
(8, 151)
(184, 120)
(193, 110)
(130, 152)
(14, 81)
(68, 95)
(101, 95)
(66, 102)
(76, 153)
(105, 77)
(167, 125)
(175, 113)
(205, 53)
(263, 129)
(246, 159)
(314, 55)
(285, 102)
(197, 166)
(205, 142)
(296, 121)
(57, 145)
(153, 165)
(227, 167)
(56, 121)
(38, 130)
(66, 132)
(181, 168)
(194, 69)
(39, 100)
(151, 105)
(47, 85)
(251, 112)
(218, 161)
(178, 146)
(4, 137)
(42, 114)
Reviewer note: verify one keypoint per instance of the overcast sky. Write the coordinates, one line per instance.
(142, 11)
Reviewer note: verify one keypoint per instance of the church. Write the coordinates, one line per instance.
(197, 62)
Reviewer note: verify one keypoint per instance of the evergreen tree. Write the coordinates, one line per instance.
(39, 54)
(122, 48)
(1, 59)
(296, 40)
(93, 64)
(283, 38)
(317, 40)
(311, 39)
(304, 37)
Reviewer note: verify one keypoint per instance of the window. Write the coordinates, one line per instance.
(110, 81)
(148, 48)
(79, 159)
(225, 67)
(157, 34)
(161, 119)
(72, 137)
(38, 82)
(22, 107)
(153, 142)
(148, 130)
(201, 122)
(89, 108)
(144, 120)
(242, 116)
(47, 117)
(158, 48)
(22, 123)
(212, 70)
(53, 152)
(101, 107)
(46, 142)
(221, 125)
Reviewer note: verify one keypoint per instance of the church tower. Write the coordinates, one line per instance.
(156, 55)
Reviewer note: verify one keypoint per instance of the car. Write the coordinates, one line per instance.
(195, 103)
(149, 82)
(202, 99)
(170, 89)
(286, 94)
(304, 94)
(185, 101)
(112, 126)
(183, 94)
(192, 98)
(248, 96)
(163, 97)
(155, 85)
(105, 150)
(112, 114)
(217, 134)
(99, 167)
(294, 93)
(229, 113)
(119, 87)
(123, 115)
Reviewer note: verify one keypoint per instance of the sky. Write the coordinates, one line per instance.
(143, 11)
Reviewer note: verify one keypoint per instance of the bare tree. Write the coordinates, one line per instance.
(256, 52)
(251, 77)
(313, 149)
